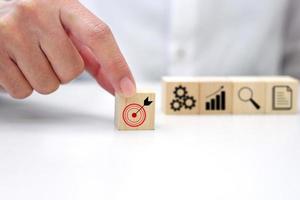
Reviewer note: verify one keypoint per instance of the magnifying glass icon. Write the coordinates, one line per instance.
(246, 95)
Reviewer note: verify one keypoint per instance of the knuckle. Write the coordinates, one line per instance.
(64, 79)
(79, 67)
(2, 24)
(21, 93)
(7, 29)
(74, 72)
(16, 86)
(11, 36)
(25, 7)
(99, 31)
(47, 88)
(2, 71)
(43, 78)
(23, 13)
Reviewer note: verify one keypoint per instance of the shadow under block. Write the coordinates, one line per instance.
(135, 113)
(180, 96)
(215, 96)
(249, 95)
(282, 93)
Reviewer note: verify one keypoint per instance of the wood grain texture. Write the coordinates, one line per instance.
(249, 95)
(180, 96)
(281, 95)
(215, 95)
(231, 95)
(133, 114)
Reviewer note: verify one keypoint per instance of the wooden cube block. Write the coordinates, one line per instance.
(281, 95)
(249, 95)
(180, 96)
(135, 113)
(215, 95)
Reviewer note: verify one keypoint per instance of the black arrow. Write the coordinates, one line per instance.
(146, 103)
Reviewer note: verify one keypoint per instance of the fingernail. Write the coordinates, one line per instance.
(127, 87)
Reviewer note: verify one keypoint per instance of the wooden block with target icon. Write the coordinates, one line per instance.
(135, 113)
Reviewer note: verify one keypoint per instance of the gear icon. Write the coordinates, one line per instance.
(180, 92)
(189, 102)
(182, 100)
(176, 105)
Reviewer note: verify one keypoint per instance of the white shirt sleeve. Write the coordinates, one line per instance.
(291, 57)
(227, 37)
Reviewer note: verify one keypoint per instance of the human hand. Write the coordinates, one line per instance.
(45, 43)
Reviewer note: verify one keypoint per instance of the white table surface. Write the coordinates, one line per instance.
(64, 147)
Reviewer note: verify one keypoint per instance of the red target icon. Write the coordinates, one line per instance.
(134, 115)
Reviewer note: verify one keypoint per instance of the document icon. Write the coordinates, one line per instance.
(282, 97)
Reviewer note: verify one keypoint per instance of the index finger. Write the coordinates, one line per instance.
(96, 35)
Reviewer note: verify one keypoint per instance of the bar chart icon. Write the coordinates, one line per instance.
(216, 101)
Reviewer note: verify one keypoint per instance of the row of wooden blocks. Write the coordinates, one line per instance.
(198, 95)
(230, 95)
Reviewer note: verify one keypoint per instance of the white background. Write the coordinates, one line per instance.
(65, 147)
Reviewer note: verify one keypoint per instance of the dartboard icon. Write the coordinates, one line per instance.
(134, 115)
